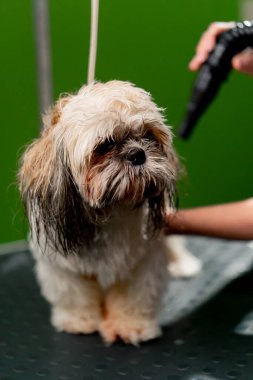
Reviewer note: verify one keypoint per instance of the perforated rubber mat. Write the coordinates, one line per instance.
(201, 340)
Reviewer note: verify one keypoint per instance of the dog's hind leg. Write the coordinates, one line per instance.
(181, 263)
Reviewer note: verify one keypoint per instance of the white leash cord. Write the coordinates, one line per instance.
(93, 40)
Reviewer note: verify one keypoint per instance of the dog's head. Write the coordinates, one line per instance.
(104, 146)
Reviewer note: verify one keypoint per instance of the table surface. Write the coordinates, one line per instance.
(207, 333)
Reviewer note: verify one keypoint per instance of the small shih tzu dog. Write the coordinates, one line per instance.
(97, 185)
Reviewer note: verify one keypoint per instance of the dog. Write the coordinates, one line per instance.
(97, 185)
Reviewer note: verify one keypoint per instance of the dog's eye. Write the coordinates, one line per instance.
(106, 146)
(149, 136)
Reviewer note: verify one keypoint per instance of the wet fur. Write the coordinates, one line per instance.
(96, 218)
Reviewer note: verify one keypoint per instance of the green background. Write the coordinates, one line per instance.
(146, 42)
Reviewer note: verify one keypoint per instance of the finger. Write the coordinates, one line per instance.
(243, 62)
(197, 61)
(207, 43)
(203, 48)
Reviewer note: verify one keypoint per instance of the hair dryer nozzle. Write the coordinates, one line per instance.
(187, 126)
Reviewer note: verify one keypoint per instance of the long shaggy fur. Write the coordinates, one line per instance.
(69, 190)
(96, 186)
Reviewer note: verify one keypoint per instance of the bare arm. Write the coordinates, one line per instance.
(228, 221)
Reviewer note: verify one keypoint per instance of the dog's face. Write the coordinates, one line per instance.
(128, 166)
(104, 146)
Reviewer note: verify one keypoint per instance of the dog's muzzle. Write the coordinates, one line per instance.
(136, 156)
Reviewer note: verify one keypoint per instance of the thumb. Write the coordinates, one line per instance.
(243, 62)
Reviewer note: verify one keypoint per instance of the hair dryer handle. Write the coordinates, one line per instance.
(214, 72)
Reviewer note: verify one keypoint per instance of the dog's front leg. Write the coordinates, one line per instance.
(75, 299)
(132, 306)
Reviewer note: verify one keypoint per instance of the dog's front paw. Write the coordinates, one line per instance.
(130, 330)
(75, 321)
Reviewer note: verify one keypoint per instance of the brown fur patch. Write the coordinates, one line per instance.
(38, 163)
(57, 110)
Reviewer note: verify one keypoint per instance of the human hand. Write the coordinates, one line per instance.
(242, 62)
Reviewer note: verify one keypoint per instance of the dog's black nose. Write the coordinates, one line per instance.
(136, 156)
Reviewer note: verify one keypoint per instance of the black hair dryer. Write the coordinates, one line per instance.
(215, 71)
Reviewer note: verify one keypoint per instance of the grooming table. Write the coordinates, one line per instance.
(207, 335)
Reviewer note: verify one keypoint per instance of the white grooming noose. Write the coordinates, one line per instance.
(93, 40)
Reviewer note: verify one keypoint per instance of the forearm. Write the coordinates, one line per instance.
(229, 221)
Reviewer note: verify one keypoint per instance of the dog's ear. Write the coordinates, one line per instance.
(158, 207)
(156, 210)
(161, 204)
(37, 166)
(56, 210)
(39, 160)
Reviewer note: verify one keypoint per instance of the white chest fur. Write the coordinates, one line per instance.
(112, 254)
